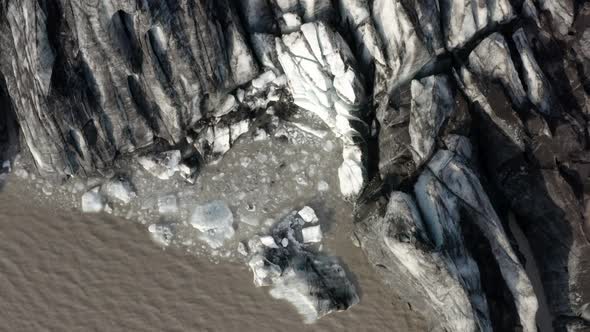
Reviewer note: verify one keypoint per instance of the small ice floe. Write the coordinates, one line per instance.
(285, 242)
(314, 283)
(323, 186)
(161, 165)
(167, 205)
(92, 201)
(308, 214)
(312, 234)
(119, 189)
(77, 186)
(215, 222)
(268, 241)
(264, 272)
(161, 233)
(187, 173)
(21, 173)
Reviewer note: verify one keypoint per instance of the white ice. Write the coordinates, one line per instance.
(312, 234)
(92, 201)
(215, 221)
(308, 214)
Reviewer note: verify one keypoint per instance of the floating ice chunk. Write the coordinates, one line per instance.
(215, 238)
(215, 221)
(162, 165)
(308, 214)
(293, 289)
(312, 234)
(187, 173)
(167, 205)
(215, 214)
(315, 284)
(77, 186)
(323, 186)
(92, 201)
(21, 173)
(264, 272)
(118, 189)
(268, 241)
(161, 233)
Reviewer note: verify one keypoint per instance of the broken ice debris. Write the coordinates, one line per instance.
(161, 233)
(167, 205)
(315, 284)
(268, 241)
(92, 201)
(312, 234)
(187, 172)
(308, 214)
(118, 189)
(323, 186)
(161, 165)
(215, 221)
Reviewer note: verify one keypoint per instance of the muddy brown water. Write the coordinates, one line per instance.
(61, 270)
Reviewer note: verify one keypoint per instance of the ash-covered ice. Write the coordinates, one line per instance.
(287, 261)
